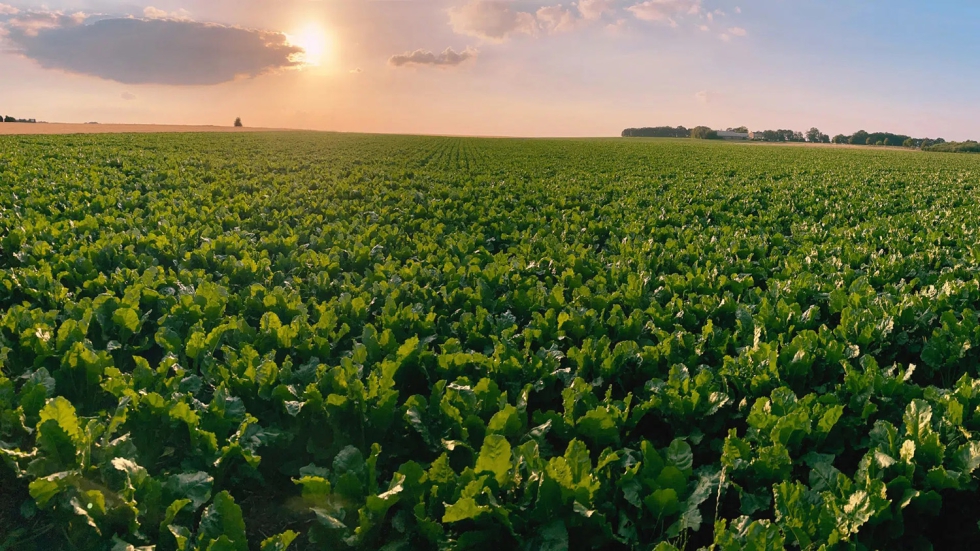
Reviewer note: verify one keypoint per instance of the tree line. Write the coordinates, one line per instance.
(814, 135)
(698, 132)
(968, 146)
(657, 132)
(8, 118)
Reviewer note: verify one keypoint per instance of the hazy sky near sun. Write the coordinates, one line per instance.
(497, 67)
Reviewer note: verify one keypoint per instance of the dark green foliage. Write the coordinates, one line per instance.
(779, 136)
(703, 133)
(317, 341)
(954, 147)
(657, 132)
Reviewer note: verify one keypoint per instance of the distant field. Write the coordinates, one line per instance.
(9, 128)
(234, 342)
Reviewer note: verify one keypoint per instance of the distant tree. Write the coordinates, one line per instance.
(909, 143)
(657, 132)
(739, 129)
(703, 133)
(840, 138)
(813, 135)
(238, 122)
(859, 138)
(8, 118)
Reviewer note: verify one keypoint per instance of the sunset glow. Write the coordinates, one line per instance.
(314, 41)
(494, 67)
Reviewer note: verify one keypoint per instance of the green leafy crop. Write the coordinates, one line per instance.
(308, 341)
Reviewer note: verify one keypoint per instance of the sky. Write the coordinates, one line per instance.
(497, 67)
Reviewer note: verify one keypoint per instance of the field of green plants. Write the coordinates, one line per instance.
(315, 341)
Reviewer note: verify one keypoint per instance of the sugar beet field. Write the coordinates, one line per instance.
(315, 341)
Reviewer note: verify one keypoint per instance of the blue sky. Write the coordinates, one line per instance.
(509, 67)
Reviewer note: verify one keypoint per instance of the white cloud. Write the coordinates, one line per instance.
(737, 31)
(155, 13)
(491, 20)
(498, 20)
(738, 9)
(618, 27)
(31, 23)
(705, 96)
(595, 9)
(8, 10)
(724, 37)
(150, 12)
(448, 58)
(704, 28)
(664, 10)
(557, 19)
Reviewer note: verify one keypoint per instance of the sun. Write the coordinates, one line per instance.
(314, 41)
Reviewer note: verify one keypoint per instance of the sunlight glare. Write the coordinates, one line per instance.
(314, 42)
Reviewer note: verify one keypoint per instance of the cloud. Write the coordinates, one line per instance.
(738, 9)
(557, 19)
(33, 22)
(497, 20)
(167, 51)
(705, 96)
(448, 58)
(492, 20)
(155, 13)
(704, 28)
(356, 71)
(8, 10)
(128, 96)
(664, 10)
(737, 31)
(595, 9)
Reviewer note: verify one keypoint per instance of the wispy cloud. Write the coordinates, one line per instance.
(500, 20)
(595, 9)
(448, 58)
(557, 19)
(491, 20)
(155, 13)
(666, 11)
(705, 96)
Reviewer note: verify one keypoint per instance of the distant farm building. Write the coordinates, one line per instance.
(725, 135)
